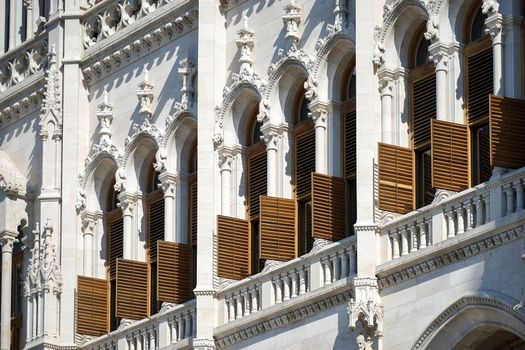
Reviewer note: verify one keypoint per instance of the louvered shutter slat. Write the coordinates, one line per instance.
(193, 212)
(328, 211)
(423, 108)
(116, 240)
(156, 223)
(304, 162)
(233, 248)
(507, 132)
(173, 272)
(132, 289)
(256, 181)
(92, 306)
(479, 83)
(449, 155)
(395, 167)
(350, 144)
(277, 228)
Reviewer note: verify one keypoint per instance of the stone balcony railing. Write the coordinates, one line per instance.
(288, 280)
(28, 59)
(109, 16)
(453, 216)
(172, 328)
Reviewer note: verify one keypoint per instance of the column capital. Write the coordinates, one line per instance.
(494, 27)
(318, 113)
(271, 134)
(226, 156)
(126, 203)
(89, 222)
(386, 81)
(439, 56)
(169, 181)
(7, 240)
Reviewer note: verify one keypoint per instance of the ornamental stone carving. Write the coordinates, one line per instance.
(432, 33)
(490, 7)
(292, 19)
(146, 95)
(366, 310)
(245, 45)
(12, 181)
(146, 128)
(186, 72)
(52, 103)
(105, 118)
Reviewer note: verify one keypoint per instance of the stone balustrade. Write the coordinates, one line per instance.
(281, 282)
(109, 16)
(27, 59)
(455, 215)
(169, 328)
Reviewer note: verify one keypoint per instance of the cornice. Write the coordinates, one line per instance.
(284, 319)
(145, 35)
(451, 256)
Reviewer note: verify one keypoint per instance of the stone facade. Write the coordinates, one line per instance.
(101, 100)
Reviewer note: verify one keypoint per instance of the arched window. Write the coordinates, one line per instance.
(349, 150)
(304, 165)
(114, 226)
(256, 185)
(422, 82)
(192, 226)
(478, 86)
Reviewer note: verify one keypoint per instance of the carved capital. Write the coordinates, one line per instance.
(439, 56)
(490, 7)
(126, 203)
(28, 4)
(270, 136)
(8, 240)
(168, 183)
(494, 27)
(310, 87)
(226, 156)
(318, 113)
(145, 95)
(89, 222)
(386, 82)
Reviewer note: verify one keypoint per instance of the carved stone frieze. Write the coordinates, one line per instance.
(16, 109)
(387, 280)
(146, 128)
(52, 104)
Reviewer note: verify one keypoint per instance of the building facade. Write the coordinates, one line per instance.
(308, 174)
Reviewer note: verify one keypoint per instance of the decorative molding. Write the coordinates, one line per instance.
(139, 131)
(20, 107)
(99, 62)
(146, 94)
(456, 255)
(19, 64)
(12, 181)
(52, 102)
(319, 244)
(284, 319)
(366, 310)
(458, 306)
(8, 240)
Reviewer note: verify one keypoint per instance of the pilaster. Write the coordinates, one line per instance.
(7, 241)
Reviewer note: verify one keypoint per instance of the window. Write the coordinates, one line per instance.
(349, 151)
(422, 81)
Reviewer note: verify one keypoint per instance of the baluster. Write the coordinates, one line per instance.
(286, 287)
(335, 262)
(238, 311)
(138, 341)
(302, 281)
(404, 242)
(153, 339)
(327, 272)
(171, 325)
(278, 295)
(413, 237)
(294, 276)
(519, 196)
(180, 332)
(449, 215)
(193, 322)
(231, 309)
(479, 211)
(254, 300)
(461, 219)
(395, 245)
(187, 325)
(509, 194)
(247, 299)
(353, 259)
(422, 235)
(470, 215)
(344, 264)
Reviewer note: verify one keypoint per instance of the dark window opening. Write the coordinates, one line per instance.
(424, 190)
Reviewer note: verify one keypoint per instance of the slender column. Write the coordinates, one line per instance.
(327, 272)
(238, 299)
(461, 219)
(395, 245)
(318, 114)
(286, 286)
(422, 235)
(493, 26)
(344, 265)
(302, 281)
(449, 216)
(470, 215)
(13, 32)
(412, 230)
(386, 85)
(89, 223)
(225, 164)
(168, 185)
(294, 276)
(231, 310)
(479, 211)
(3, 29)
(29, 19)
(270, 137)
(404, 242)
(440, 59)
(254, 299)
(509, 194)
(127, 204)
(519, 196)
(278, 294)
(335, 261)
(7, 240)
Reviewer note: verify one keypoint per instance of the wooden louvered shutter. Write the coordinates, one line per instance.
(350, 144)
(396, 178)
(479, 80)
(277, 228)
(449, 156)
(173, 272)
(328, 211)
(116, 240)
(132, 289)
(156, 222)
(423, 86)
(92, 306)
(233, 248)
(304, 161)
(193, 211)
(507, 132)
(257, 170)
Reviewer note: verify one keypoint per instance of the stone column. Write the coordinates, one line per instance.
(7, 240)
(127, 204)
(168, 185)
(270, 137)
(13, 23)
(493, 26)
(225, 164)
(386, 85)
(89, 222)
(439, 56)
(29, 19)
(318, 113)
(3, 43)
